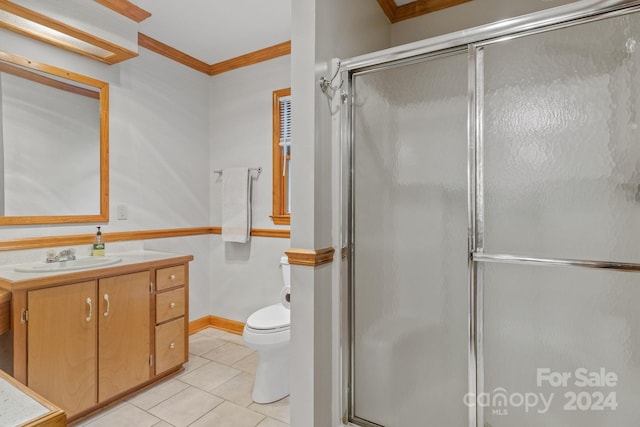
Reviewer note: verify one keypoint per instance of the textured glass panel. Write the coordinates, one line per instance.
(410, 291)
(561, 143)
(545, 322)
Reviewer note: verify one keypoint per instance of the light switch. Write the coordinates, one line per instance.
(122, 211)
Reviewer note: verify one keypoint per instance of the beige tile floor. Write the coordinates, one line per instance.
(213, 391)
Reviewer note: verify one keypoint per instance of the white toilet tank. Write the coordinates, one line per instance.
(286, 270)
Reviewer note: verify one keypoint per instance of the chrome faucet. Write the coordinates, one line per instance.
(63, 255)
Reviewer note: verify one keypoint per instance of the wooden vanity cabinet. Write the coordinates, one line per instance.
(76, 335)
(83, 344)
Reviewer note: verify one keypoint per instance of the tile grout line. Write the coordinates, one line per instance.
(238, 402)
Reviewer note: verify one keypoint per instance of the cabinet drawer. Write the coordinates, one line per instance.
(170, 345)
(169, 305)
(170, 277)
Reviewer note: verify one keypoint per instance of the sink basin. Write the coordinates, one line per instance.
(76, 264)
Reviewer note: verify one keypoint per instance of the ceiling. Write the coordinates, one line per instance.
(220, 31)
(217, 30)
(211, 36)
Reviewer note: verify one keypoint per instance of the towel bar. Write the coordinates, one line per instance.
(258, 169)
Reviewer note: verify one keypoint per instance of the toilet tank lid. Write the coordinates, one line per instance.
(272, 317)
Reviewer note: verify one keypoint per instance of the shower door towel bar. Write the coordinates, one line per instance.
(258, 169)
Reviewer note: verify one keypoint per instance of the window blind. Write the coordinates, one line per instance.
(285, 120)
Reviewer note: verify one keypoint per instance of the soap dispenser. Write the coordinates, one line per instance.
(98, 244)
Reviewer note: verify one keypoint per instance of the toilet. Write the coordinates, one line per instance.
(267, 331)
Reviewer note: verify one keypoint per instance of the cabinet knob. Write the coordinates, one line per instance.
(172, 305)
(172, 277)
(172, 345)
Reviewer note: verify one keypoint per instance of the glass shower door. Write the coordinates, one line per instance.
(409, 301)
(561, 167)
(542, 328)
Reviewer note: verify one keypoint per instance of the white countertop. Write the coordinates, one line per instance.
(17, 406)
(128, 258)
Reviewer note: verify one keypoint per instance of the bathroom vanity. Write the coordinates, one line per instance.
(85, 338)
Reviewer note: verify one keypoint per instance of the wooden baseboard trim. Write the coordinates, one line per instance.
(310, 258)
(198, 325)
(227, 325)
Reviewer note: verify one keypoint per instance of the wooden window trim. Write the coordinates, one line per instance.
(280, 215)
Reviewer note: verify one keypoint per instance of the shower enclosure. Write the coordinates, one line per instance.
(493, 185)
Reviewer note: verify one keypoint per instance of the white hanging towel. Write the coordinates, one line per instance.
(236, 205)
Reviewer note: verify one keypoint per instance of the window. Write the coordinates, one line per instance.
(281, 156)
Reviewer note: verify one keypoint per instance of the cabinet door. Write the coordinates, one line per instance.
(125, 333)
(62, 342)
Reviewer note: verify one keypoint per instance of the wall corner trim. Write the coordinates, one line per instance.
(310, 257)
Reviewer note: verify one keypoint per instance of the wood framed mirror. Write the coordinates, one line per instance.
(54, 144)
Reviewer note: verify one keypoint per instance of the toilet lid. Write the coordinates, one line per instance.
(272, 317)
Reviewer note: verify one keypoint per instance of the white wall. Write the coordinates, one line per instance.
(159, 144)
(241, 129)
(463, 16)
(169, 129)
(159, 154)
(245, 277)
(158, 139)
(200, 285)
(321, 30)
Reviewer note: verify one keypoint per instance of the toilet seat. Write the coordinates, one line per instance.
(271, 319)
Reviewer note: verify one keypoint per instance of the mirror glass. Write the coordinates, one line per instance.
(53, 144)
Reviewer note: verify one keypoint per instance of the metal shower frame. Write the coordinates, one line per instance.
(473, 42)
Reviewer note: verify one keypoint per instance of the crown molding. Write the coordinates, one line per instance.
(397, 13)
(126, 8)
(394, 12)
(251, 58)
(172, 53)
